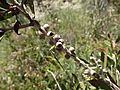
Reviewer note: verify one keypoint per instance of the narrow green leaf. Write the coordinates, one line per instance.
(118, 68)
(118, 39)
(6, 15)
(102, 56)
(111, 79)
(2, 32)
(78, 87)
(75, 77)
(17, 26)
(63, 87)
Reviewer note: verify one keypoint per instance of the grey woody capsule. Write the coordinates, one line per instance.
(59, 46)
(50, 33)
(61, 40)
(46, 26)
(72, 50)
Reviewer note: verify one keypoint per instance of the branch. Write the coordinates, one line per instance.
(22, 26)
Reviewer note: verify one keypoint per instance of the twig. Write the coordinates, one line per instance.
(22, 26)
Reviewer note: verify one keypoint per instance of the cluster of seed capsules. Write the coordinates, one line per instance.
(56, 40)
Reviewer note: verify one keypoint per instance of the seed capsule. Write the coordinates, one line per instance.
(67, 55)
(56, 37)
(59, 46)
(50, 33)
(72, 50)
(46, 27)
(61, 40)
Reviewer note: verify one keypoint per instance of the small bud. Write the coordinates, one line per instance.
(56, 37)
(72, 50)
(61, 40)
(59, 46)
(41, 35)
(52, 42)
(67, 55)
(96, 75)
(46, 27)
(50, 33)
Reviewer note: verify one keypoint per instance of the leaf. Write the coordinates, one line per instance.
(76, 82)
(6, 16)
(4, 4)
(118, 39)
(102, 56)
(24, 1)
(17, 26)
(30, 4)
(2, 32)
(10, 1)
(107, 43)
(51, 48)
(118, 68)
(100, 83)
(110, 60)
(78, 87)
(8, 13)
(75, 78)
(94, 82)
(63, 87)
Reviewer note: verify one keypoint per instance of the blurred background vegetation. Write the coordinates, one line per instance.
(91, 26)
